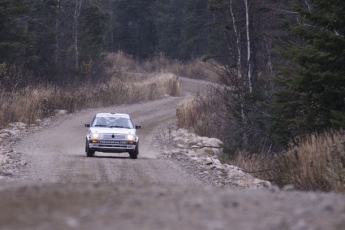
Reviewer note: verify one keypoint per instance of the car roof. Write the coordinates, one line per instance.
(112, 115)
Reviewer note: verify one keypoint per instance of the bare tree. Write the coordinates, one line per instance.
(249, 70)
(238, 66)
(77, 9)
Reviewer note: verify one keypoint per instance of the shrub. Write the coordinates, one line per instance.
(316, 163)
(119, 63)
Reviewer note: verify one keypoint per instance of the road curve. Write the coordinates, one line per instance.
(63, 189)
(57, 154)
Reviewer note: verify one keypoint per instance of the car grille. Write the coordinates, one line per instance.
(114, 136)
(113, 146)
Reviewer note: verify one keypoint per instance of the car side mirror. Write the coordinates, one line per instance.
(87, 125)
(138, 127)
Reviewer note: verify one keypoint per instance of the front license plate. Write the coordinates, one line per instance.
(111, 142)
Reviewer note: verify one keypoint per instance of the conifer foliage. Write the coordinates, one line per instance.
(312, 97)
(15, 39)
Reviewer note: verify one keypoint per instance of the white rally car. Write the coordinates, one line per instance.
(112, 132)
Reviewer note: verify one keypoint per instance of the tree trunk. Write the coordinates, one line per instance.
(239, 73)
(77, 10)
(56, 53)
(238, 41)
(249, 73)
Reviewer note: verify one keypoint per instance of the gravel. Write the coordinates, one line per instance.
(59, 188)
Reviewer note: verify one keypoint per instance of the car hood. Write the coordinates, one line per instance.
(112, 130)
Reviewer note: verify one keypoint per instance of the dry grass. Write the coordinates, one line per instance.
(187, 115)
(259, 165)
(317, 163)
(29, 104)
(197, 115)
(196, 69)
(129, 82)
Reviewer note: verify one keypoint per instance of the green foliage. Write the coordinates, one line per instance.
(14, 39)
(312, 98)
(135, 32)
(43, 26)
(168, 22)
(175, 29)
(196, 41)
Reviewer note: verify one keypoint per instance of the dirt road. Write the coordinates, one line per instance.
(57, 154)
(62, 189)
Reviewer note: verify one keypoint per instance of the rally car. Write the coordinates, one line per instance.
(112, 132)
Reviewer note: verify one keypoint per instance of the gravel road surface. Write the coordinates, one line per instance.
(62, 189)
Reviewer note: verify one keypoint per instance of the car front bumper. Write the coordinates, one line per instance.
(112, 146)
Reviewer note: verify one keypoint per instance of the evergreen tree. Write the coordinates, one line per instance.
(43, 26)
(134, 30)
(92, 42)
(15, 41)
(196, 42)
(312, 98)
(167, 16)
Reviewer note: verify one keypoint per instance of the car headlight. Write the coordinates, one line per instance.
(130, 137)
(95, 135)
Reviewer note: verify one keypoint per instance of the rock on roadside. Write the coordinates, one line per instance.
(202, 154)
(12, 162)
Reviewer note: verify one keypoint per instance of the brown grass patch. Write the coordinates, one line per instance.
(318, 163)
(196, 115)
(121, 63)
(29, 104)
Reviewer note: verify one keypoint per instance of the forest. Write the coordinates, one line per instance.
(280, 62)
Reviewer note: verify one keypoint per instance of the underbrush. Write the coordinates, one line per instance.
(316, 163)
(196, 69)
(196, 115)
(129, 81)
(33, 103)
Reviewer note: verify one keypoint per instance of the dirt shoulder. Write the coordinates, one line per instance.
(163, 206)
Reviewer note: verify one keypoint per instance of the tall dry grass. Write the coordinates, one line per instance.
(129, 81)
(201, 115)
(259, 165)
(317, 163)
(196, 69)
(29, 104)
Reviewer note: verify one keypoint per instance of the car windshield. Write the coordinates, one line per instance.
(113, 122)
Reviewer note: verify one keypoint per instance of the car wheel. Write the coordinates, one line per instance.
(89, 152)
(134, 154)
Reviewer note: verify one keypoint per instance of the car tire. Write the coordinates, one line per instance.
(134, 154)
(89, 152)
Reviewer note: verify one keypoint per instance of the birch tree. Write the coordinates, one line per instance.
(236, 62)
(235, 70)
(249, 70)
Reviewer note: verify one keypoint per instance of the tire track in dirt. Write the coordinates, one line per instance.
(56, 154)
